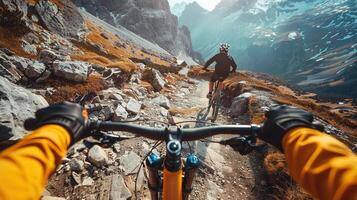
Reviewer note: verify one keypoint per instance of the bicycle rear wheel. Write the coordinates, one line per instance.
(215, 107)
(202, 116)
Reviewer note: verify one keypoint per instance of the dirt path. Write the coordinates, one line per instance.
(224, 174)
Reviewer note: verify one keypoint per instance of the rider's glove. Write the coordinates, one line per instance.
(281, 119)
(71, 116)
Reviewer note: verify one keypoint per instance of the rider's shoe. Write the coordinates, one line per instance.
(209, 95)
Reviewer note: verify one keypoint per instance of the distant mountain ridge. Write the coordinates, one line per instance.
(312, 43)
(178, 8)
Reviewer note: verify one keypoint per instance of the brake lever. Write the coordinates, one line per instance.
(245, 145)
(108, 139)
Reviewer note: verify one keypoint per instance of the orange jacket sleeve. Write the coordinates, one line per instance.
(325, 167)
(26, 166)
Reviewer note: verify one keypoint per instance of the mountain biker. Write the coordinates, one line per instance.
(325, 167)
(224, 62)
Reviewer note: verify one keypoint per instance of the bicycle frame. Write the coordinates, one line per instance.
(177, 175)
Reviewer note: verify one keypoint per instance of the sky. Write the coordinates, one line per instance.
(207, 4)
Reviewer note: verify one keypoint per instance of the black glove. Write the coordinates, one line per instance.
(281, 119)
(69, 115)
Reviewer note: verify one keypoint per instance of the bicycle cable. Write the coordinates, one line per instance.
(158, 143)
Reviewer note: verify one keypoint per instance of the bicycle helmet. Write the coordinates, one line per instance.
(224, 47)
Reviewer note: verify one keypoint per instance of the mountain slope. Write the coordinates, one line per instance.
(150, 19)
(296, 39)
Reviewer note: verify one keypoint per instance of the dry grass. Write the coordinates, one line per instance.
(10, 38)
(283, 185)
(66, 91)
(183, 111)
(115, 56)
(59, 3)
(126, 66)
(198, 72)
(147, 85)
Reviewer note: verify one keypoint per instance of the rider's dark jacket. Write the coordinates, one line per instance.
(224, 62)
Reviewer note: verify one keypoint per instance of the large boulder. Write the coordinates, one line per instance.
(48, 57)
(13, 12)
(71, 70)
(33, 69)
(14, 68)
(61, 17)
(155, 78)
(254, 101)
(16, 105)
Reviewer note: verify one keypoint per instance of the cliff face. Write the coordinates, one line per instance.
(151, 19)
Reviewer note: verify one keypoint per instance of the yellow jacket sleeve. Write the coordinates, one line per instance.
(325, 167)
(26, 166)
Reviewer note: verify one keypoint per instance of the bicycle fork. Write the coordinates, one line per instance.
(175, 186)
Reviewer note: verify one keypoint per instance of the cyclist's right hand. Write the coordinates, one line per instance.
(280, 120)
(73, 117)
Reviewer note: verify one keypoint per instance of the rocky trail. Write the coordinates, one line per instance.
(96, 171)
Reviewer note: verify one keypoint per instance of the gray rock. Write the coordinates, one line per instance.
(8, 52)
(88, 181)
(116, 96)
(31, 38)
(141, 65)
(130, 162)
(77, 178)
(66, 21)
(185, 90)
(163, 111)
(71, 70)
(105, 113)
(118, 189)
(10, 72)
(16, 105)
(29, 68)
(97, 156)
(13, 12)
(120, 113)
(116, 147)
(133, 106)
(240, 104)
(28, 48)
(155, 78)
(162, 101)
(76, 165)
(34, 69)
(48, 57)
(44, 76)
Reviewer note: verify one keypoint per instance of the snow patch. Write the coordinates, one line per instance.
(293, 35)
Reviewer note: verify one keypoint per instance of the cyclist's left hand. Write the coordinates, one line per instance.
(71, 116)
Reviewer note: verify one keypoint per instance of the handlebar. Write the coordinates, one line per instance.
(190, 134)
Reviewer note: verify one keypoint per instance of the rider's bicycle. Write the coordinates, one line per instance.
(214, 103)
(171, 176)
